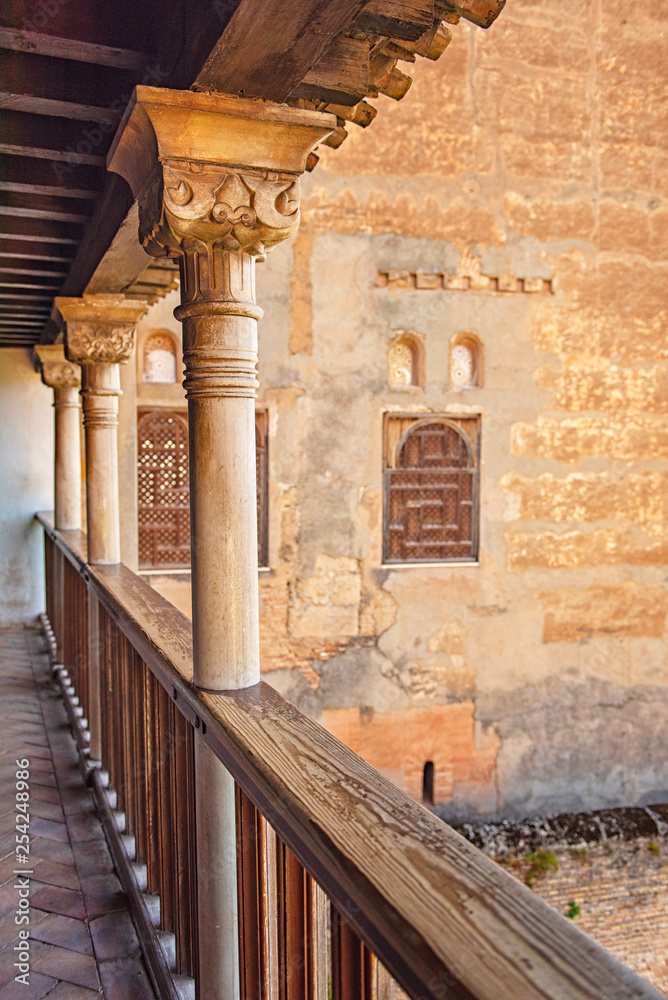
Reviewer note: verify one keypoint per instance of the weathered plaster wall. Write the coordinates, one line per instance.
(533, 155)
(26, 483)
(537, 680)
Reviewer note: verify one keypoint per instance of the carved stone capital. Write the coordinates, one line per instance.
(57, 372)
(207, 214)
(100, 328)
(217, 180)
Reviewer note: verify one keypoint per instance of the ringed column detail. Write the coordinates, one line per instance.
(100, 335)
(64, 377)
(217, 180)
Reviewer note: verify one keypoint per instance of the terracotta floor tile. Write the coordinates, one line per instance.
(44, 793)
(51, 873)
(72, 880)
(114, 937)
(102, 894)
(40, 847)
(9, 929)
(72, 966)
(49, 830)
(8, 957)
(41, 763)
(43, 778)
(82, 827)
(47, 810)
(54, 899)
(125, 979)
(68, 991)
(37, 988)
(66, 932)
(92, 858)
(75, 801)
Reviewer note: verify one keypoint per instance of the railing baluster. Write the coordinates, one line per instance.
(151, 730)
(140, 759)
(351, 962)
(293, 928)
(296, 941)
(165, 813)
(183, 774)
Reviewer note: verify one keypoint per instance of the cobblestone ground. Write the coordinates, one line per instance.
(82, 943)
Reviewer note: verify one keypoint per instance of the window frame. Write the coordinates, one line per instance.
(262, 491)
(473, 448)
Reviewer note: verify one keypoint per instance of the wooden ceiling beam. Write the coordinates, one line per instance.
(102, 92)
(17, 248)
(480, 12)
(39, 230)
(269, 46)
(46, 206)
(37, 43)
(29, 104)
(125, 24)
(43, 137)
(406, 19)
(40, 176)
(340, 76)
(44, 153)
(46, 189)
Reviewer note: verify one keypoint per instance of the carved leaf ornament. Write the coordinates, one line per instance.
(100, 343)
(257, 209)
(194, 211)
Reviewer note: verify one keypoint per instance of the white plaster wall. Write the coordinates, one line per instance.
(26, 484)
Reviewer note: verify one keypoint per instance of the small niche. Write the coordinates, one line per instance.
(465, 362)
(404, 362)
(428, 783)
(159, 359)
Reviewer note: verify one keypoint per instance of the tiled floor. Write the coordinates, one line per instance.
(82, 943)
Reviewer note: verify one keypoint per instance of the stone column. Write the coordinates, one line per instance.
(100, 334)
(127, 467)
(217, 179)
(64, 378)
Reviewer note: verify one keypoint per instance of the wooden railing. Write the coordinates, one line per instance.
(340, 875)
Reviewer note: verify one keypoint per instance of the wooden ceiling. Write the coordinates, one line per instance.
(68, 68)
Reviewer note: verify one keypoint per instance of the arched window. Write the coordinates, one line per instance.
(159, 358)
(404, 362)
(164, 489)
(465, 362)
(164, 495)
(431, 493)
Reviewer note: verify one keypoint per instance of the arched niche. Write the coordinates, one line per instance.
(405, 362)
(466, 367)
(159, 358)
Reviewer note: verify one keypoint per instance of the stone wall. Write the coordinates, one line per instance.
(517, 194)
(620, 892)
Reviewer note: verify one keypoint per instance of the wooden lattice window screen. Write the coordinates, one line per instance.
(164, 490)
(431, 494)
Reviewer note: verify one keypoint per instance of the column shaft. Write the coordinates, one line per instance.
(218, 202)
(100, 392)
(220, 351)
(68, 458)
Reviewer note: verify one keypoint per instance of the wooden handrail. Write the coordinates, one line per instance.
(444, 919)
